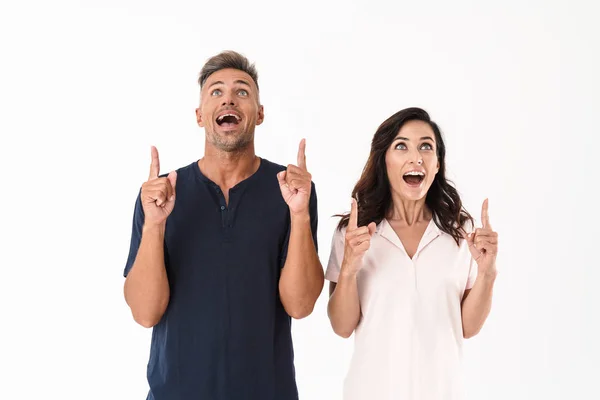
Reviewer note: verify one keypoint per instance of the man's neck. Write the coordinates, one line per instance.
(227, 169)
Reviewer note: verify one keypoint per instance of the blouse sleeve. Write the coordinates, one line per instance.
(336, 255)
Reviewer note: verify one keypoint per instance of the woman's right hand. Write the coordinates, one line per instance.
(357, 242)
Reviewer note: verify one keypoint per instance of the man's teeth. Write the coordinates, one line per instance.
(414, 173)
(228, 115)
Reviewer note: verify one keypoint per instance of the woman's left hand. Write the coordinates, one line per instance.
(483, 244)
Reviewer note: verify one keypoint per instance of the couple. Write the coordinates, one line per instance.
(223, 254)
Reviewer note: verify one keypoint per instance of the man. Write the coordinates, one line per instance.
(223, 252)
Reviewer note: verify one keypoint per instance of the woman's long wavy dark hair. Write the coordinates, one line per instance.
(372, 191)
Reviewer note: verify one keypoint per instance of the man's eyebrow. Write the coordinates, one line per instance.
(216, 83)
(239, 81)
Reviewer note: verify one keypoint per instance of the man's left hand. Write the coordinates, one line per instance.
(295, 184)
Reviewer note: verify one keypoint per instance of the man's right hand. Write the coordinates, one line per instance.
(158, 194)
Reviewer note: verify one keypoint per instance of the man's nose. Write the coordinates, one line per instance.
(228, 100)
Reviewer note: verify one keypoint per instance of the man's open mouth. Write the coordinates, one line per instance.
(229, 119)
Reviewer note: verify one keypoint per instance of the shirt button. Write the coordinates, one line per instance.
(222, 208)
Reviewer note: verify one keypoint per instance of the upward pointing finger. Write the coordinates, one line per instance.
(353, 221)
(302, 154)
(155, 164)
(485, 217)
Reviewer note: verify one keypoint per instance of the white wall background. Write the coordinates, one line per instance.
(87, 86)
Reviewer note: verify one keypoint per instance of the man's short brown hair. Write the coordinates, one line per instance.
(224, 60)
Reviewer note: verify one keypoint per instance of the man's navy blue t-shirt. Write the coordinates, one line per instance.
(225, 334)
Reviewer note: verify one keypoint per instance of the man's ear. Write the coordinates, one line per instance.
(261, 115)
(199, 119)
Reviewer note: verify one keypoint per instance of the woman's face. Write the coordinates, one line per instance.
(411, 160)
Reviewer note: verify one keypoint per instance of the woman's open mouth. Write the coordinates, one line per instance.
(413, 178)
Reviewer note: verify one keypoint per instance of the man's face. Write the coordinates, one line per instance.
(229, 109)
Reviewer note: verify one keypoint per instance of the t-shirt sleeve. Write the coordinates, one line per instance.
(314, 215)
(136, 234)
(314, 222)
(336, 256)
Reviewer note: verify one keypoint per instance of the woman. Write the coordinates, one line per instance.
(408, 274)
